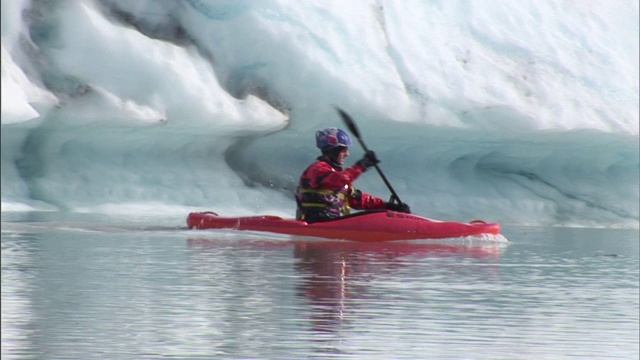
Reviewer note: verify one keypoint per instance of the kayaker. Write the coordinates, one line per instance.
(325, 190)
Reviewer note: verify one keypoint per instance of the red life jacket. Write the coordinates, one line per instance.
(326, 191)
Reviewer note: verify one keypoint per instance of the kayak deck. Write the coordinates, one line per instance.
(368, 226)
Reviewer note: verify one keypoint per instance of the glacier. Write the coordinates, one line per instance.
(523, 113)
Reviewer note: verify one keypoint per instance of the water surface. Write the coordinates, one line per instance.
(83, 289)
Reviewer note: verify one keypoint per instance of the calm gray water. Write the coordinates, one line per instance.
(82, 289)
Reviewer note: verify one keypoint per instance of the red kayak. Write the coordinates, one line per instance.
(367, 226)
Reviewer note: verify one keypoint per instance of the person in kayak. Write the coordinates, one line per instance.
(325, 190)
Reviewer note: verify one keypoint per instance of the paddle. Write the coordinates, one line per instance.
(354, 130)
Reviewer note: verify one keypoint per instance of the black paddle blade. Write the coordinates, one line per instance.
(349, 122)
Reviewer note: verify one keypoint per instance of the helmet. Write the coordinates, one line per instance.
(332, 138)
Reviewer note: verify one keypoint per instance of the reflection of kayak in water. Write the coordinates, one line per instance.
(386, 251)
(337, 277)
(370, 251)
(341, 276)
(369, 226)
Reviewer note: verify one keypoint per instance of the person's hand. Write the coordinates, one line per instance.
(368, 160)
(402, 207)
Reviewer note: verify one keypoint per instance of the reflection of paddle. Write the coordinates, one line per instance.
(354, 130)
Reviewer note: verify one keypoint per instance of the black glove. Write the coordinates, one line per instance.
(368, 160)
(402, 207)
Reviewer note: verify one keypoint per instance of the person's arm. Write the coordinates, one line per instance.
(331, 179)
(364, 201)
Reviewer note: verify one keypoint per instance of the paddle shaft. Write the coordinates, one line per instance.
(354, 130)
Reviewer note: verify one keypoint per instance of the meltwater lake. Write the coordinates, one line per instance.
(85, 288)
